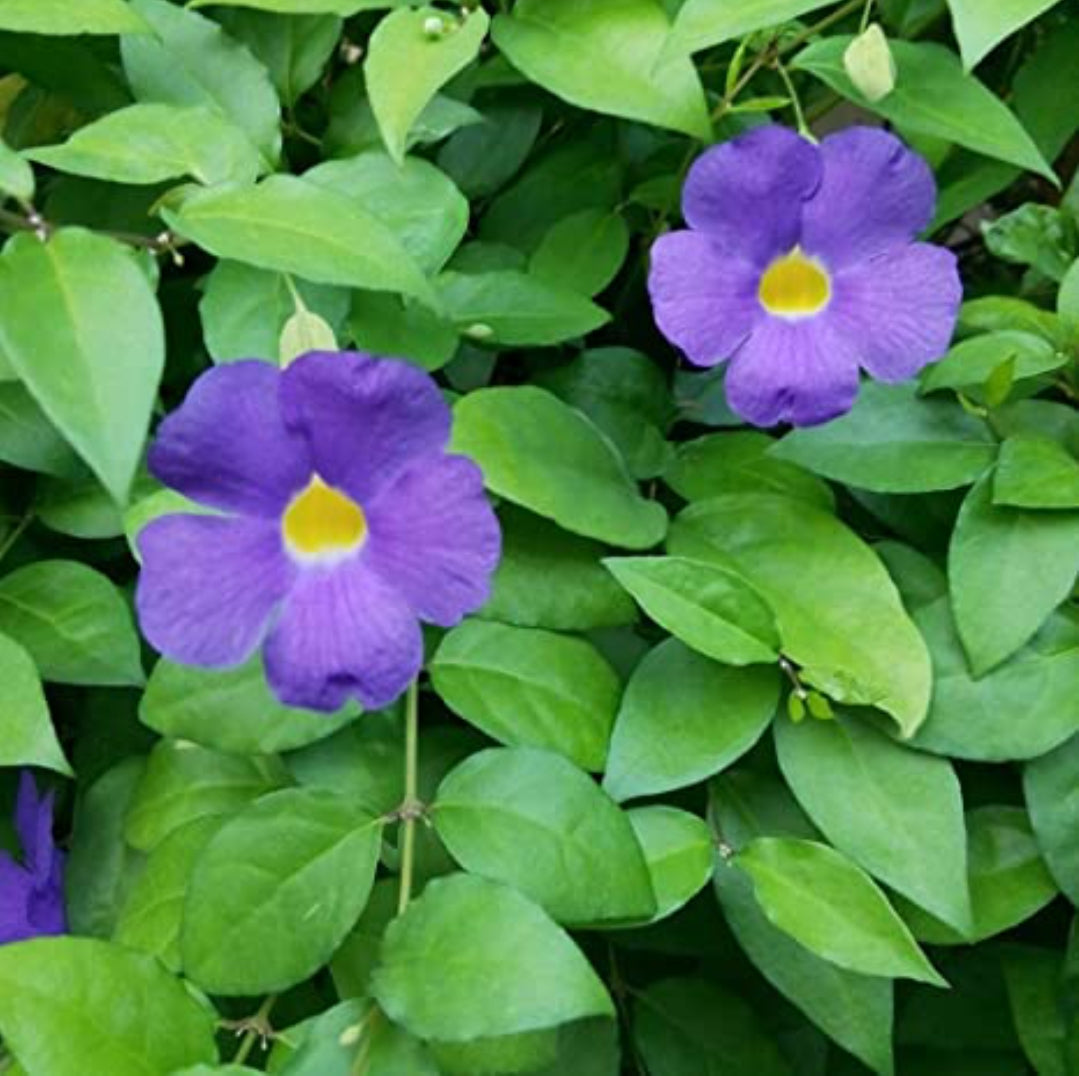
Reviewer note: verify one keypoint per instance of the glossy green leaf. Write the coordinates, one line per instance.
(183, 783)
(190, 60)
(27, 737)
(505, 967)
(610, 60)
(16, 176)
(530, 688)
(678, 851)
(1038, 1002)
(1049, 783)
(73, 622)
(1036, 472)
(702, 23)
(896, 812)
(1009, 569)
(583, 252)
(838, 613)
(535, 821)
(741, 462)
(1008, 879)
(1040, 236)
(971, 362)
(82, 508)
(299, 856)
(292, 226)
(934, 97)
(29, 440)
(385, 324)
(826, 903)
(66, 1002)
(61, 17)
(719, 711)
(81, 327)
(980, 27)
(549, 578)
(305, 7)
(892, 441)
(585, 489)
(149, 143)
(230, 710)
(411, 55)
(711, 609)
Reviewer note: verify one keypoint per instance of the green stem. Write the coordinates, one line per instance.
(865, 16)
(411, 806)
(16, 533)
(796, 104)
(258, 1027)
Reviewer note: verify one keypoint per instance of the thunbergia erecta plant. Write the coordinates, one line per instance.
(346, 523)
(800, 266)
(32, 886)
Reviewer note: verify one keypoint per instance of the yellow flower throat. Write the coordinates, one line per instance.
(794, 286)
(321, 520)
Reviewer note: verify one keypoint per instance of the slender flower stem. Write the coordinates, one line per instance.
(411, 806)
(255, 1028)
(796, 104)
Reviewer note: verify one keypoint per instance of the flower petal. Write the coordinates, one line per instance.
(365, 418)
(343, 632)
(900, 308)
(209, 585)
(435, 537)
(704, 302)
(33, 824)
(874, 194)
(15, 887)
(748, 194)
(802, 372)
(227, 445)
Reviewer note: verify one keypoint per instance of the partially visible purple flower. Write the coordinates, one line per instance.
(346, 524)
(32, 891)
(800, 265)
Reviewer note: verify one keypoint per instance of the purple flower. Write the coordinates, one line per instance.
(346, 524)
(800, 266)
(32, 893)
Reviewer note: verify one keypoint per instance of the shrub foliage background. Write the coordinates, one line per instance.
(629, 855)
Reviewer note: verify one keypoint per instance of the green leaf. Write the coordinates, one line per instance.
(892, 441)
(583, 252)
(711, 609)
(1008, 879)
(151, 915)
(934, 97)
(896, 812)
(1009, 569)
(703, 23)
(386, 324)
(244, 309)
(972, 361)
(549, 578)
(677, 849)
(276, 891)
(719, 713)
(529, 687)
(411, 55)
(305, 7)
(583, 488)
(1040, 236)
(625, 393)
(16, 176)
(740, 462)
(61, 17)
(414, 200)
(292, 226)
(190, 60)
(686, 1027)
(814, 572)
(304, 332)
(27, 737)
(183, 783)
(73, 622)
(81, 327)
(524, 1052)
(509, 307)
(504, 966)
(1018, 710)
(1036, 472)
(150, 143)
(1036, 994)
(483, 156)
(833, 908)
(980, 27)
(82, 508)
(535, 821)
(66, 1002)
(854, 1010)
(1049, 784)
(230, 710)
(610, 60)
